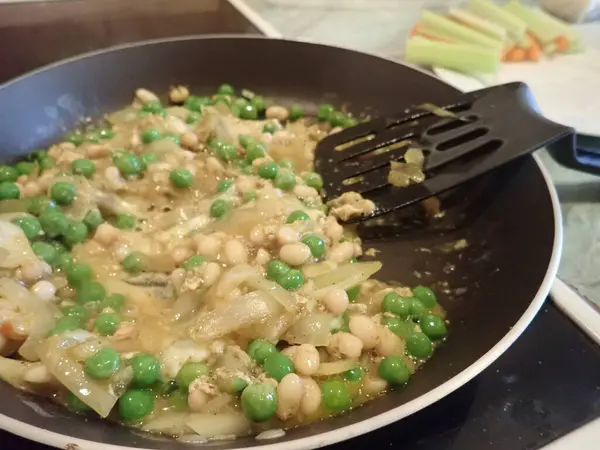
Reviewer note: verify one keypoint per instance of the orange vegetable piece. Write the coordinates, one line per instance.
(562, 43)
(515, 54)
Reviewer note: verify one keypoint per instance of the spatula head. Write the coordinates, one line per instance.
(484, 130)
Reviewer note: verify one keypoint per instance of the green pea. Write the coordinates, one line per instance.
(353, 293)
(399, 327)
(292, 280)
(271, 127)
(25, 167)
(195, 104)
(39, 205)
(146, 369)
(59, 247)
(259, 103)
(285, 180)
(63, 325)
(268, 170)
(45, 252)
(106, 133)
(93, 219)
(337, 119)
(219, 208)
(75, 404)
(313, 180)
(189, 372)
(63, 261)
(54, 223)
(77, 312)
(125, 222)
(150, 135)
(349, 122)
(335, 396)
(226, 152)
(433, 326)
(102, 364)
(147, 158)
(259, 402)
(193, 262)
(84, 167)
(135, 404)
(249, 196)
(76, 138)
(394, 370)
(417, 309)
(226, 89)
(78, 274)
(286, 164)
(47, 163)
(89, 291)
(173, 137)
(36, 155)
(127, 163)
(76, 233)
(344, 323)
(245, 140)
(296, 112)
(193, 117)
(133, 263)
(114, 302)
(260, 349)
(93, 137)
(178, 401)
(315, 243)
(297, 215)
(223, 185)
(181, 178)
(8, 173)
(221, 99)
(238, 105)
(254, 150)
(396, 304)
(425, 295)
(152, 107)
(9, 190)
(106, 324)
(248, 170)
(63, 192)
(324, 112)
(31, 226)
(276, 270)
(353, 375)
(419, 345)
(277, 366)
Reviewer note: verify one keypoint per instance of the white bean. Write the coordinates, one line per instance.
(341, 252)
(189, 140)
(34, 271)
(277, 112)
(180, 254)
(244, 184)
(333, 229)
(207, 246)
(262, 256)
(294, 254)
(257, 234)
(304, 192)
(31, 189)
(365, 329)
(235, 252)
(106, 234)
(345, 344)
(44, 290)
(287, 235)
(197, 400)
(97, 151)
(311, 400)
(178, 94)
(145, 96)
(211, 273)
(114, 179)
(38, 374)
(373, 385)
(289, 395)
(336, 301)
(306, 359)
(389, 343)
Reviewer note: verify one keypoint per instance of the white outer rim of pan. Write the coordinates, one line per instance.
(341, 434)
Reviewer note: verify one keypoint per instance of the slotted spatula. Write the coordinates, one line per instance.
(487, 128)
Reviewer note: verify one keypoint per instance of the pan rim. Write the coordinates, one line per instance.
(58, 440)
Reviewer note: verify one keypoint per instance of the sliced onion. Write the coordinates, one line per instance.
(345, 276)
(335, 367)
(314, 270)
(187, 303)
(233, 277)
(67, 371)
(170, 423)
(215, 404)
(280, 295)
(14, 241)
(13, 372)
(271, 329)
(314, 329)
(224, 424)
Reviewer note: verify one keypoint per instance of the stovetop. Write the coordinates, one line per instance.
(546, 385)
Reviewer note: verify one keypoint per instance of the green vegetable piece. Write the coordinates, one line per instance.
(193, 262)
(93, 137)
(396, 304)
(146, 369)
(178, 401)
(353, 375)
(63, 192)
(313, 180)
(433, 326)
(277, 365)
(152, 107)
(260, 349)
(297, 215)
(268, 170)
(193, 117)
(195, 104)
(315, 243)
(399, 327)
(337, 119)
(419, 345)
(113, 301)
(249, 196)
(78, 274)
(47, 163)
(226, 152)
(259, 103)
(24, 167)
(75, 404)
(271, 127)
(90, 291)
(150, 135)
(136, 404)
(133, 263)
(296, 112)
(181, 178)
(106, 324)
(223, 185)
(125, 222)
(417, 309)
(394, 370)
(254, 150)
(128, 164)
(39, 205)
(76, 233)
(76, 138)
(245, 140)
(277, 269)
(335, 396)
(54, 223)
(173, 137)
(8, 173)
(353, 293)
(425, 296)
(222, 99)
(259, 402)
(45, 251)
(219, 208)
(9, 190)
(30, 225)
(102, 364)
(147, 158)
(77, 312)
(106, 133)
(285, 180)
(292, 280)
(93, 219)
(189, 372)
(324, 112)
(63, 261)
(63, 325)
(226, 89)
(286, 164)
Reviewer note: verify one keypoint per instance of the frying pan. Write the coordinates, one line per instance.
(492, 289)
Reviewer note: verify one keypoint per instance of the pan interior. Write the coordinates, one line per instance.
(506, 219)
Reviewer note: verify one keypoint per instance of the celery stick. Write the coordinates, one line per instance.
(439, 23)
(540, 30)
(484, 26)
(470, 59)
(514, 26)
(564, 28)
(441, 35)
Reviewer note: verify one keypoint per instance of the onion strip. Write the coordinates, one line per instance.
(345, 277)
(335, 367)
(280, 295)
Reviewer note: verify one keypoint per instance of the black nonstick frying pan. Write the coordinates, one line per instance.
(491, 287)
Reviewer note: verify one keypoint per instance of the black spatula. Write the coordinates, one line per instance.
(487, 128)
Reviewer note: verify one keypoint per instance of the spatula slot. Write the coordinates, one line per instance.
(462, 139)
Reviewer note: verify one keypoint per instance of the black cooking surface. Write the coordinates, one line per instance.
(545, 385)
